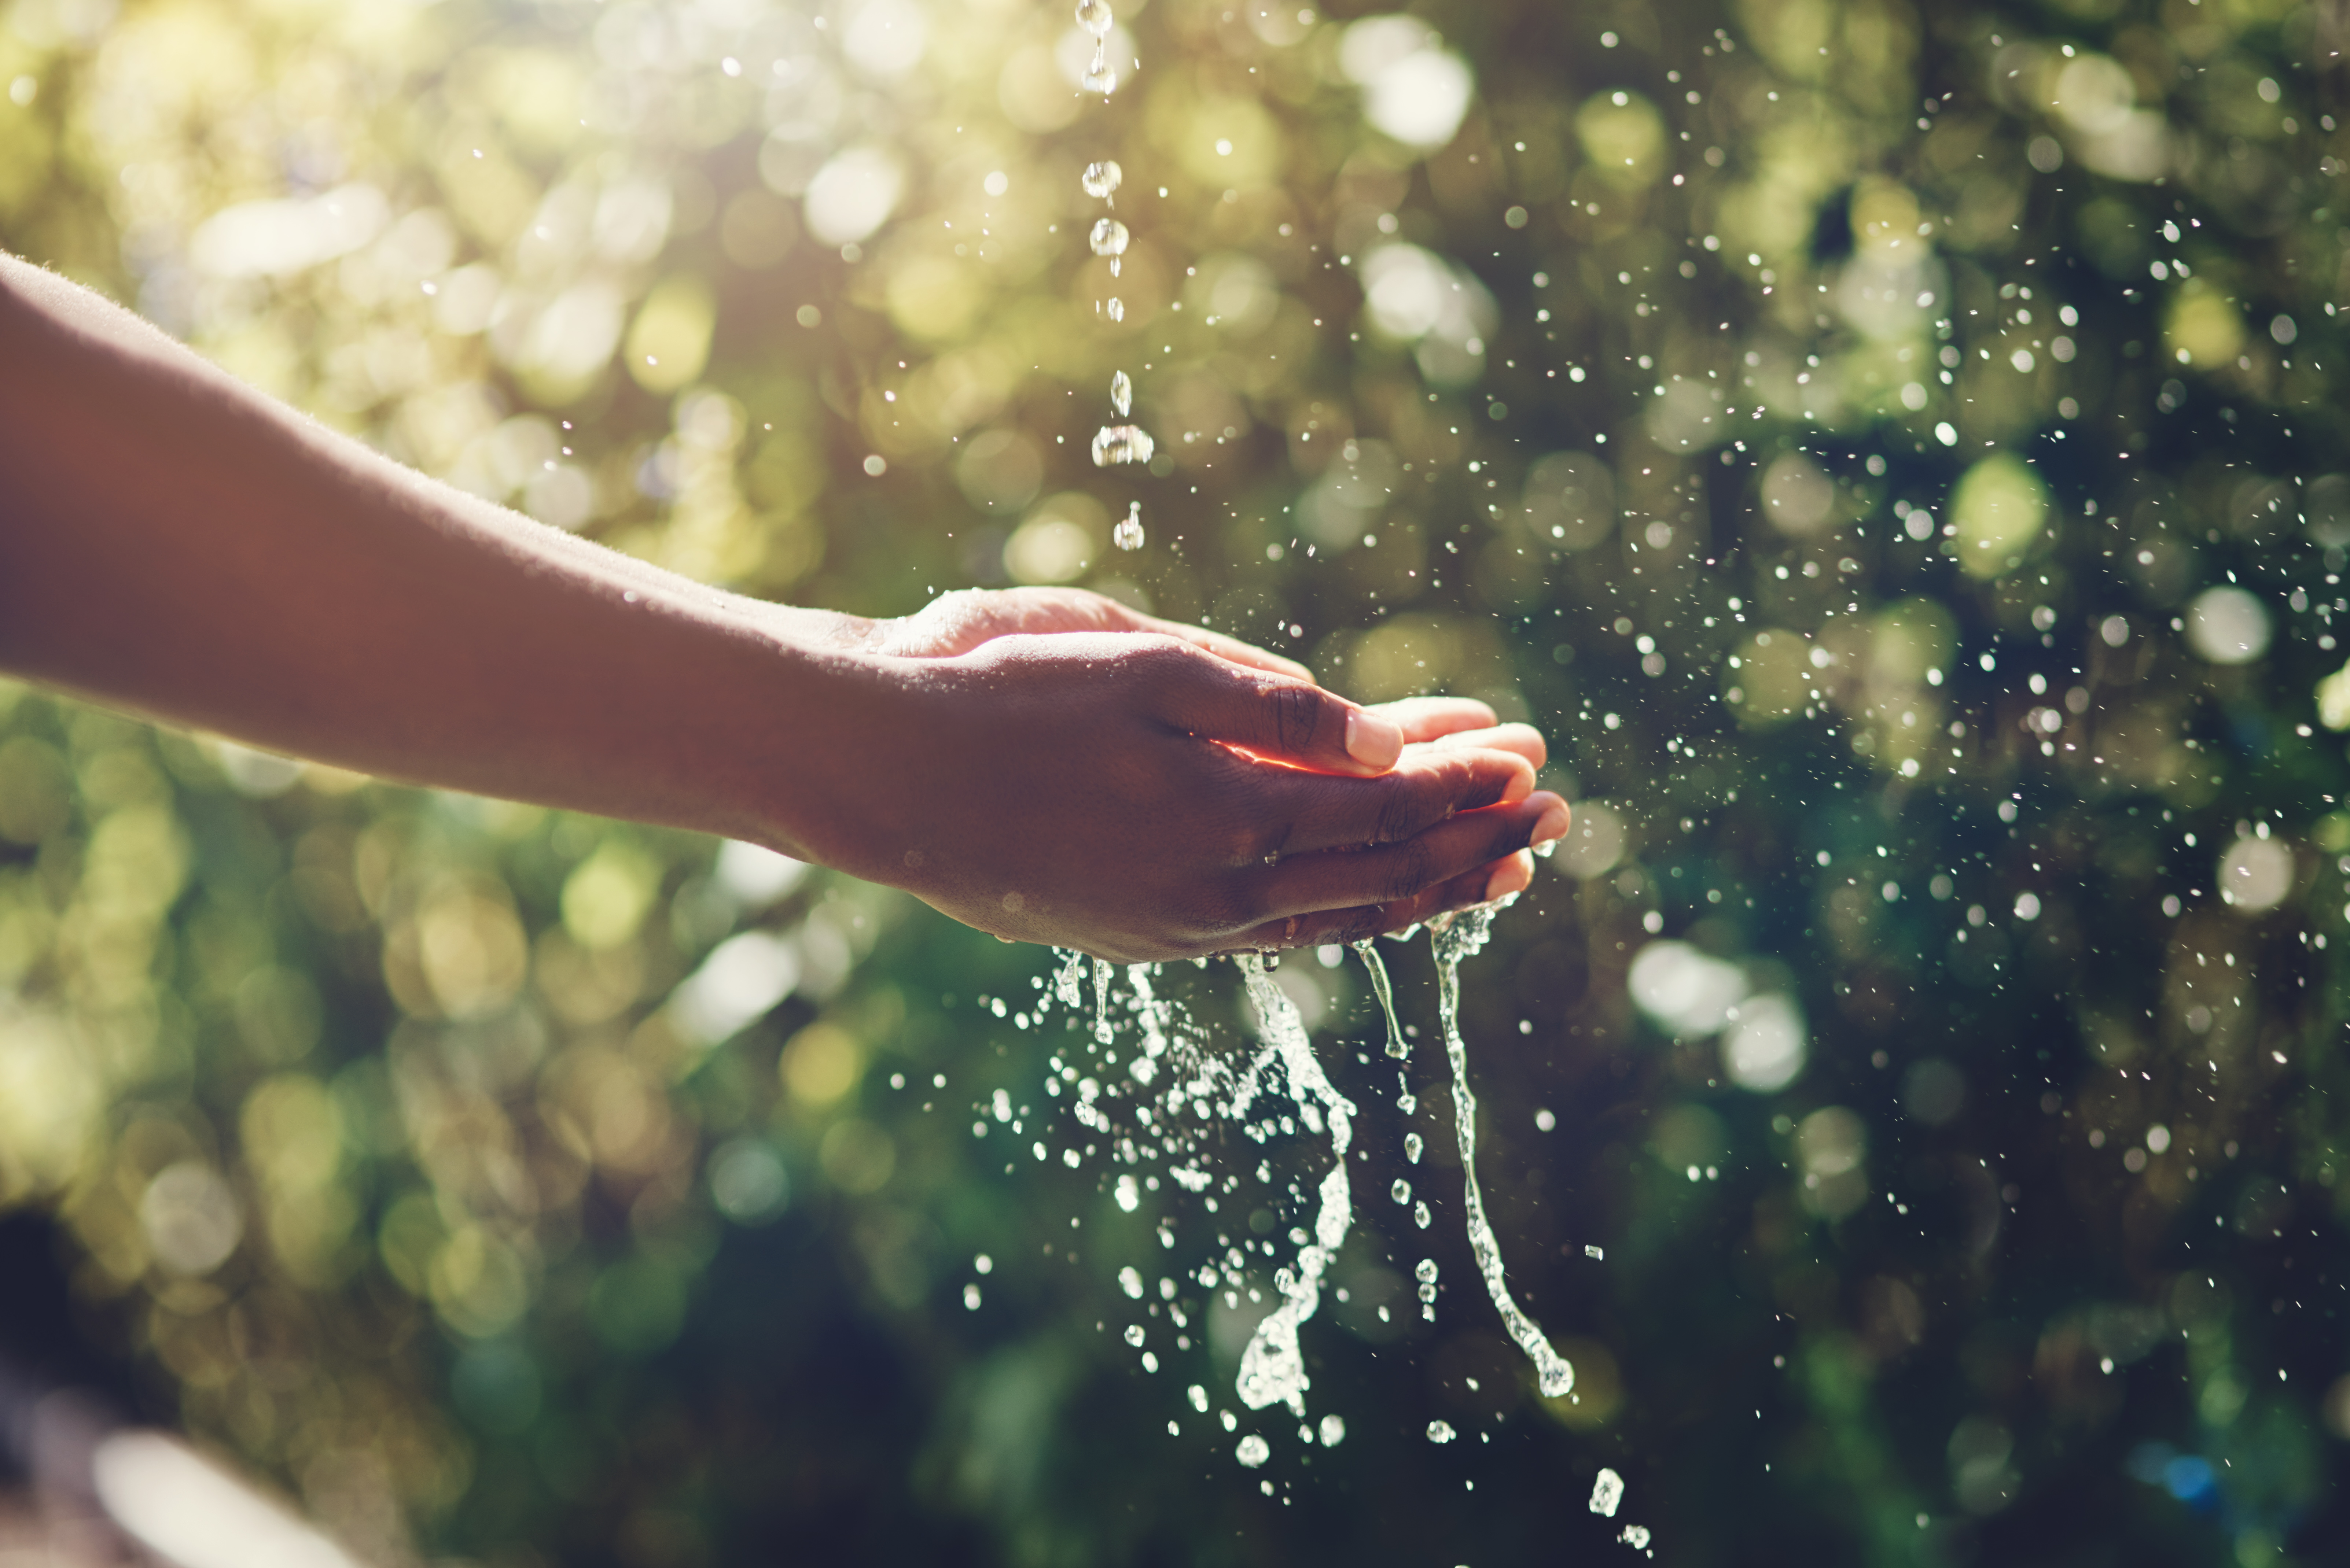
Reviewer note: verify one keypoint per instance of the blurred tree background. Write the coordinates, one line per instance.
(1892, 450)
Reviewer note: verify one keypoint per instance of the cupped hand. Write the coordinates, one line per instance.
(1105, 786)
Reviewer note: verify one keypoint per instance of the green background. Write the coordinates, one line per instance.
(1890, 450)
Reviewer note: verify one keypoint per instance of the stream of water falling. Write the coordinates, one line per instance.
(1458, 937)
(1273, 1368)
(1121, 442)
(1186, 1090)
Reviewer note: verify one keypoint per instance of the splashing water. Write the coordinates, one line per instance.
(1127, 535)
(1272, 1368)
(1191, 1089)
(1455, 938)
(1068, 983)
(1384, 989)
(1121, 444)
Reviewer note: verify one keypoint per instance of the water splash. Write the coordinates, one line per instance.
(1384, 989)
(1068, 984)
(1127, 535)
(1156, 1018)
(1272, 1368)
(1122, 444)
(1457, 937)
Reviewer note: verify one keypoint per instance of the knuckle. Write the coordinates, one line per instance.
(1475, 786)
(1410, 806)
(1234, 904)
(1297, 713)
(1410, 869)
(1341, 926)
(1156, 660)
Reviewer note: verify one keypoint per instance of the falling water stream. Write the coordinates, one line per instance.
(1121, 442)
(1208, 1088)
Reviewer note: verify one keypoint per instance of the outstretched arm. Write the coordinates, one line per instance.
(174, 544)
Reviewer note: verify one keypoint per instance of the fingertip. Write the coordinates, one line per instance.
(1552, 826)
(1513, 875)
(1373, 739)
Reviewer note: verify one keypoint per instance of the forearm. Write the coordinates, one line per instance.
(176, 543)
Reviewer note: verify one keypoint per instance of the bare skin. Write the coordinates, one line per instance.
(1044, 764)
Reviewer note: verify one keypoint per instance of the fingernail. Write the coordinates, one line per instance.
(1372, 741)
(1552, 826)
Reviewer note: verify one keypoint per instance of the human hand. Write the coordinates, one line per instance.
(1104, 789)
(956, 623)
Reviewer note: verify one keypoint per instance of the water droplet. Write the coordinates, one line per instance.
(1117, 308)
(1426, 1273)
(1421, 1216)
(1439, 1431)
(1122, 393)
(1108, 238)
(1101, 78)
(1401, 1190)
(1134, 1333)
(1412, 1144)
(1100, 180)
(1333, 1431)
(1253, 1450)
(1122, 443)
(1130, 1282)
(1127, 535)
(1094, 16)
(1606, 1492)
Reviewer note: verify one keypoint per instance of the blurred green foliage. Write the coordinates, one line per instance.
(1891, 450)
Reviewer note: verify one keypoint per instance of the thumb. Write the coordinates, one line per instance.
(1285, 720)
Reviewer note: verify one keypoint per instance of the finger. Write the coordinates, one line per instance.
(1231, 650)
(1524, 739)
(1485, 885)
(1482, 885)
(1333, 879)
(1430, 718)
(1324, 928)
(1427, 785)
(1286, 719)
